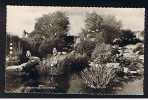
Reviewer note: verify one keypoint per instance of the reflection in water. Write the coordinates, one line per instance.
(132, 87)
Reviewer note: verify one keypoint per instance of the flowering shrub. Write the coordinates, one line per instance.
(102, 68)
(102, 53)
(98, 76)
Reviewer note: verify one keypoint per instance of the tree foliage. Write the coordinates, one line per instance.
(50, 26)
(47, 46)
(127, 37)
(104, 28)
(49, 31)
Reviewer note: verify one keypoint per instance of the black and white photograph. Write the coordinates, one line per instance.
(74, 50)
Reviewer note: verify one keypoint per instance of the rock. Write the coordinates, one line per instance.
(133, 72)
(34, 59)
(125, 77)
(16, 67)
(125, 69)
(141, 57)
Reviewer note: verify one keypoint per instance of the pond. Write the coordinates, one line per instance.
(134, 87)
(131, 87)
(76, 86)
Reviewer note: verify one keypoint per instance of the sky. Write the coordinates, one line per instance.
(20, 18)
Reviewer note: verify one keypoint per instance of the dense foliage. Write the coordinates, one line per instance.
(49, 32)
(106, 28)
(85, 47)
(102, 68)
(98, 77)
(96, 59)
(127, 37)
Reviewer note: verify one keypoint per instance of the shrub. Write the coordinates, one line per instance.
(98, 76)
(135, 64)
(65, 66)
(85, 47)
(73, 63)
(102, 69)
(102, 53)
(127, 37)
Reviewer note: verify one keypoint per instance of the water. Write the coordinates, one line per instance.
(131, 87)
(134, 87)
